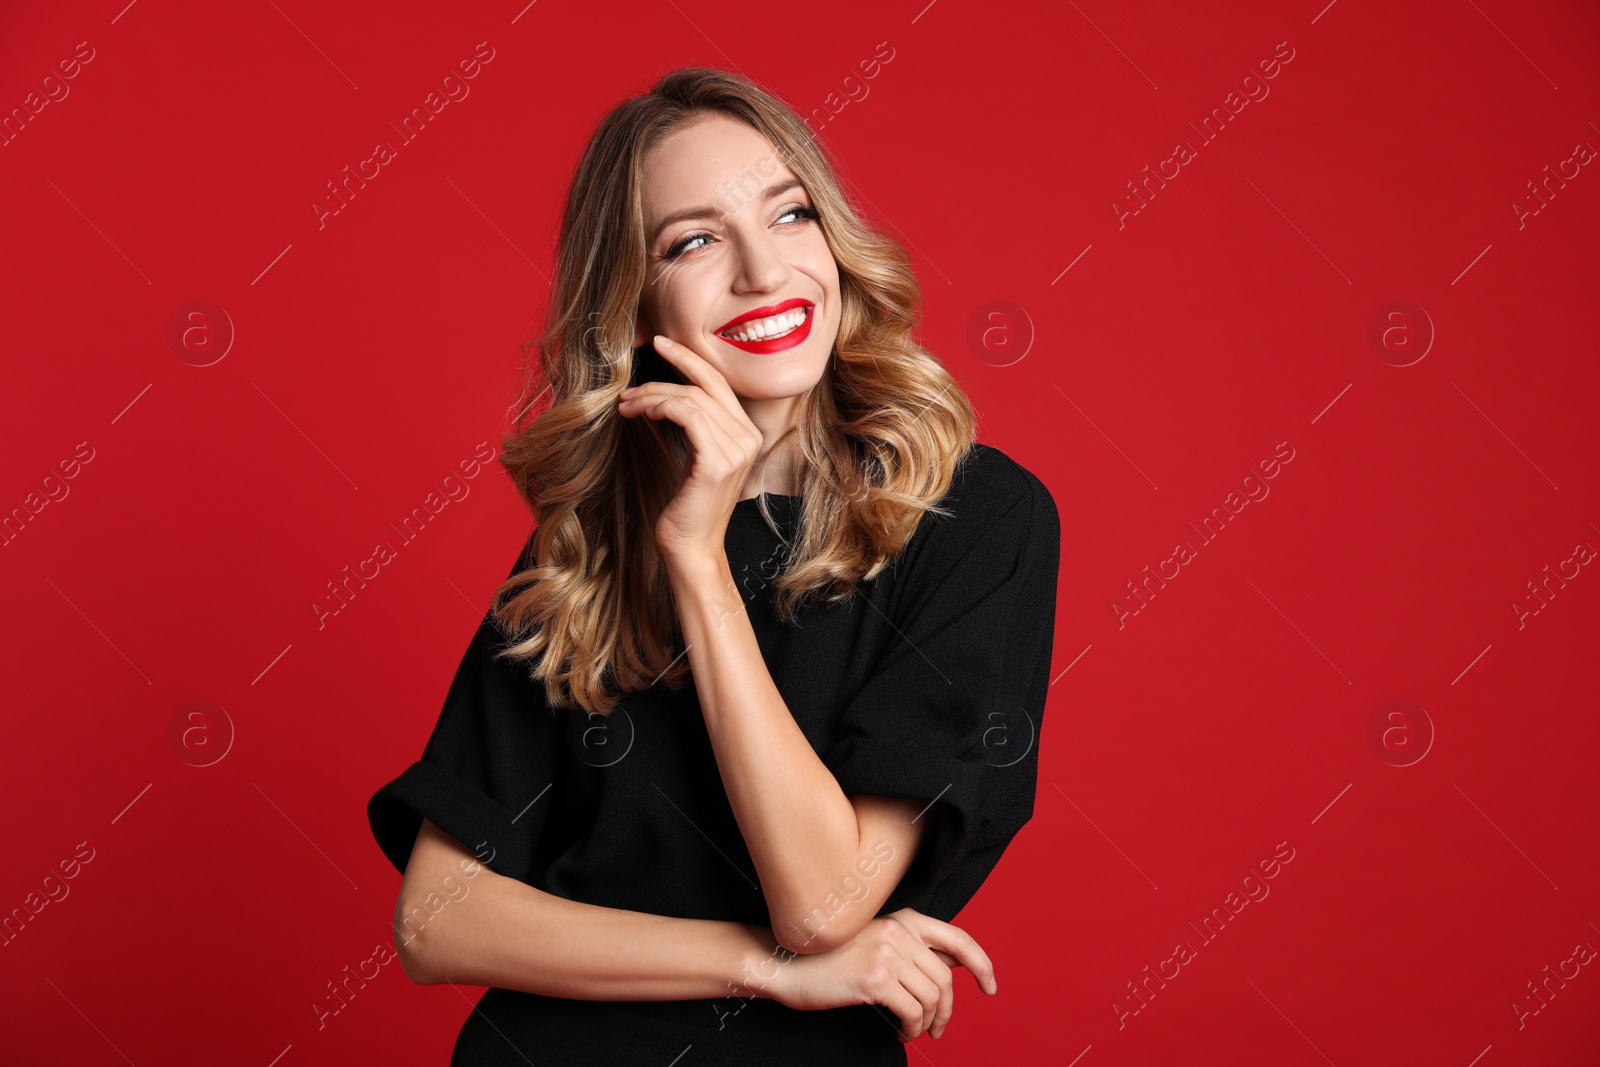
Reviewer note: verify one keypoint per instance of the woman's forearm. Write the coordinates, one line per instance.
(506, 933)
(801, 829)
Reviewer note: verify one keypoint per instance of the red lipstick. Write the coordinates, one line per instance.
(768, 345)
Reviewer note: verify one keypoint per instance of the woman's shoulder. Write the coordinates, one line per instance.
(989, 483)
(994, 506)
(992, 494)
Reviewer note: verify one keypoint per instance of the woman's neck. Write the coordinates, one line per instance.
(777, 474)
(777, 469)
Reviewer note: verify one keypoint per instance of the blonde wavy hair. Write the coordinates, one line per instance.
(880, 435)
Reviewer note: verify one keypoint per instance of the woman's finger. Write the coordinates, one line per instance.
(732, 422)
(703, 427)
(906, 1002)
(730, 425)
(698, 370)
(954, 941)
(907, 1008)
(927, 992)
(940, 974)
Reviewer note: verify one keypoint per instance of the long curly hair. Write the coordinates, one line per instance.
(880, 435)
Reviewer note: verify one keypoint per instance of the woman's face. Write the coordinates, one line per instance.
(728, 231)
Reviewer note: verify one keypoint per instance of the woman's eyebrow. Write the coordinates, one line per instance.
(707, 211)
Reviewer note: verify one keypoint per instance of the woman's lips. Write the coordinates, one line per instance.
(768, 345)
(765, 311)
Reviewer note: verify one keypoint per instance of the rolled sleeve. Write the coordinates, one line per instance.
(486, 772)
(952, 715)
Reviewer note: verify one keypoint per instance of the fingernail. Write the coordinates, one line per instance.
(666, 342)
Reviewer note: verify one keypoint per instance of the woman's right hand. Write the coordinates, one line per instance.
(901, 961)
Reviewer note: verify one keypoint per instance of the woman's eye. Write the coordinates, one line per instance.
(681, 245)
(686, 242)
(803, 211)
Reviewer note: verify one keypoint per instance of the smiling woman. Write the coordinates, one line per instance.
(774, 568)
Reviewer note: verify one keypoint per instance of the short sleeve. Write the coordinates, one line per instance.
(952, 714)
(487, 771)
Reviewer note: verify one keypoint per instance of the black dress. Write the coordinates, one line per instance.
(929, 683)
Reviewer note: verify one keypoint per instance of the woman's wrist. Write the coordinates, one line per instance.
(762, 971)
(701, 567)
(703, 590)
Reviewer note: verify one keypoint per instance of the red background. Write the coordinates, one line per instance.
(1181, 744)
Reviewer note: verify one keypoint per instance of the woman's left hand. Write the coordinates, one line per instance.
(726, 445)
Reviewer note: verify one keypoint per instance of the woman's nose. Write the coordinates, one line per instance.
(760, 264)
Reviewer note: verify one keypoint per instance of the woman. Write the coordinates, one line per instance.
(753, 715)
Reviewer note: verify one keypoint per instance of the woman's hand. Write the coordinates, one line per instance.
(726, 445)
(901, 961)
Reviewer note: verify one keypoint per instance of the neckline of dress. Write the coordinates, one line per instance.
(751, 501)
(785, 510)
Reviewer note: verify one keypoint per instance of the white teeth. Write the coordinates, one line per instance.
(762, 329)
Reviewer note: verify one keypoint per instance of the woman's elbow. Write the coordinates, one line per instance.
(415, 964)
(415, 943)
